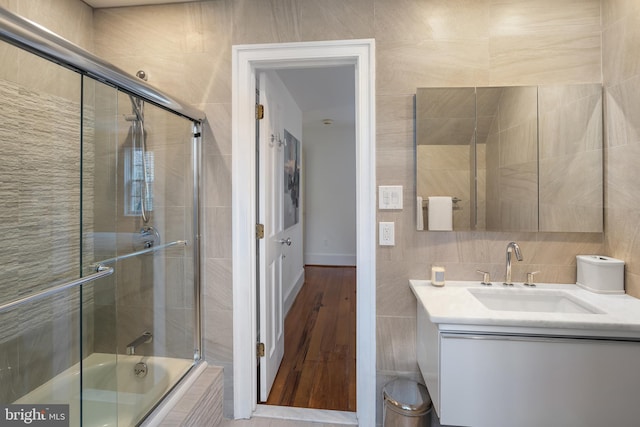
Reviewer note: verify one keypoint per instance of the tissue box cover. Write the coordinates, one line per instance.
(600, 274)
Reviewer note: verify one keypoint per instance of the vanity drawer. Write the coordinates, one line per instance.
(502, 380)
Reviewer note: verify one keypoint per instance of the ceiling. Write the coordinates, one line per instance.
(322, 93)
(96, 4)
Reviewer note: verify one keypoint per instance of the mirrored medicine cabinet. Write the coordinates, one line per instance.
(518, 158)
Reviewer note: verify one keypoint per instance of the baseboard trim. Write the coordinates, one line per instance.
(293, 293)
(330, 259)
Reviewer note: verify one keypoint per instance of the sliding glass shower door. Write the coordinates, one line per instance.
(39, 227)
(138, 217)
(99, 277)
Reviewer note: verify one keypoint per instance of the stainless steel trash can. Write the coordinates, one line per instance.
(406, 404)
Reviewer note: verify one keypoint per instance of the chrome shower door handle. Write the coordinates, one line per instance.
(286, 241)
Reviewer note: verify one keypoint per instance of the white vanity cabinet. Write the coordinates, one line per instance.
(498, 380)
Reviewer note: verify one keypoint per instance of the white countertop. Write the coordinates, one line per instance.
(453, 307)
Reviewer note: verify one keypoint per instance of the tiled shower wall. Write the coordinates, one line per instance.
(186, 49)
(40, 220)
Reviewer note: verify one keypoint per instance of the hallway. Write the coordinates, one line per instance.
(319, 365)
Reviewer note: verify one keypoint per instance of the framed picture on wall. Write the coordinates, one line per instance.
(291, 197)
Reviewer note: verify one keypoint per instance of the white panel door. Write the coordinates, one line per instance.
(271, 188)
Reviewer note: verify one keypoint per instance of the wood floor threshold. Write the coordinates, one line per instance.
(319, 366)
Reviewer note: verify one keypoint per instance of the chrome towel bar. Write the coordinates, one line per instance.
(425, 201)
(100, 264)
(102, 272)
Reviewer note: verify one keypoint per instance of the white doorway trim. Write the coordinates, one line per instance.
(246, 59)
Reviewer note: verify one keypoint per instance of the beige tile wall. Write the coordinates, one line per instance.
(186, 50)
(72, 19)
(570, 155)
(621, 77)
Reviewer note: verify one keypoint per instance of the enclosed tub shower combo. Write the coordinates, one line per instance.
(99, 274)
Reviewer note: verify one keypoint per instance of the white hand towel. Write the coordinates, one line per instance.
(419, 214)
(440, 213)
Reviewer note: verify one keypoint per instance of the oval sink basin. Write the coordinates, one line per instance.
(535, 300)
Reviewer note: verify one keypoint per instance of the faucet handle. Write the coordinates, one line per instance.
(486, 278)
(529, 281)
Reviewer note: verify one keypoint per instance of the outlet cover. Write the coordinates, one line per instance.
(387, 233)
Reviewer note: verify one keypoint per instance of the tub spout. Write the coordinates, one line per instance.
(146, 337)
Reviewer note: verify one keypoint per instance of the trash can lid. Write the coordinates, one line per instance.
(407, 394)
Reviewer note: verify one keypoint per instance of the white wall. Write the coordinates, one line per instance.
(330, 194)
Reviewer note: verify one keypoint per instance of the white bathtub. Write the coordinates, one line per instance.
(112, 395)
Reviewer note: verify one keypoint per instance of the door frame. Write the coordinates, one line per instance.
(246, 59)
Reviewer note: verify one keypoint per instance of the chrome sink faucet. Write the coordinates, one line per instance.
(511, 247)
(146, 337)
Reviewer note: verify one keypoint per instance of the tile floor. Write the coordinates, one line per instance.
(273, 422)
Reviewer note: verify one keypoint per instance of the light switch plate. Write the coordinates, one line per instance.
(387, 234)
(390, 197)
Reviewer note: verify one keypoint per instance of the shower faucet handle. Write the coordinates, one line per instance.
(486, 278)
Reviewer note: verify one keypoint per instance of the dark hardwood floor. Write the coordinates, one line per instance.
(319, 365)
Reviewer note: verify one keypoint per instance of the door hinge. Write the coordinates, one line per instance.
(259, 231)
(259, 111)
(260, 349)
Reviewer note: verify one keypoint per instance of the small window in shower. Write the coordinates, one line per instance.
(137, 183)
